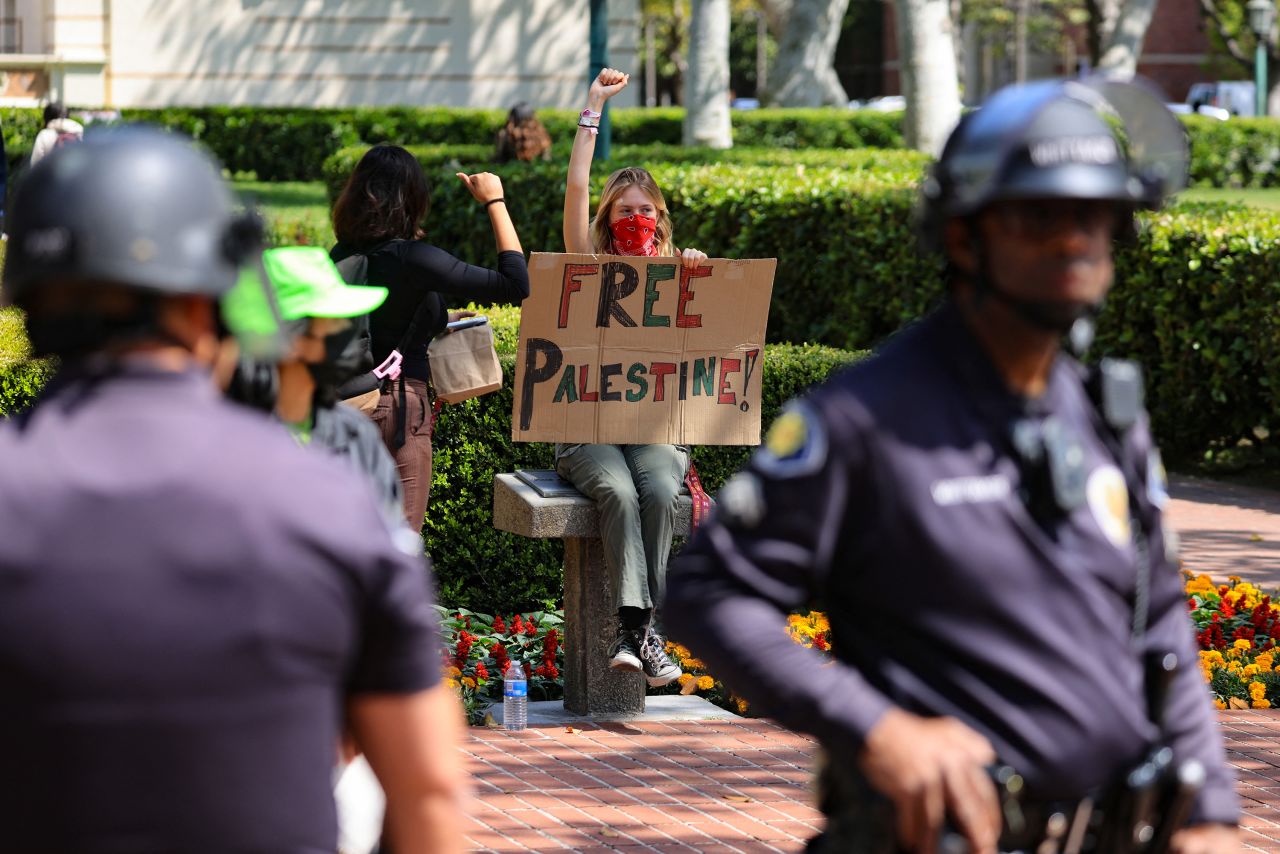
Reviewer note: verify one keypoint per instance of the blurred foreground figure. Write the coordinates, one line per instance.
(190, 604)
(981, 517)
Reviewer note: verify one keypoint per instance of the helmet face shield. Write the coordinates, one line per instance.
(1099, 139)
(1156, 142)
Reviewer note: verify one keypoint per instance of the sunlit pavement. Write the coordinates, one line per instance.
(744, 785)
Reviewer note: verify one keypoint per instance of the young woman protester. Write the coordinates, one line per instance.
(379, 214)
(635, 487)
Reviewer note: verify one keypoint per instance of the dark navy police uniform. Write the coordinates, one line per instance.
(892, 497)
(186, 599)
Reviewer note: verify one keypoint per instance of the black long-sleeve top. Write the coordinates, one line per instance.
(413, 271)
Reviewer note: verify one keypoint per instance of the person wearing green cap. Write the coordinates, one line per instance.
(317, 308)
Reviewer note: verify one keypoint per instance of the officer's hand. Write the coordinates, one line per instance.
(1206, 839)
(932, 768)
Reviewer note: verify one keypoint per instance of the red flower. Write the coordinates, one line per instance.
(1242, 632)
(531, 628)
(517, 625)
(482, 672)
(465, 640)
(821, 643)
(499, 626)
(500, 658)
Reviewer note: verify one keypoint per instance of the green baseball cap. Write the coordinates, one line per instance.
(307, 284)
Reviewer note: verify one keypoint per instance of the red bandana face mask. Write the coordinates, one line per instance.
(633, 235)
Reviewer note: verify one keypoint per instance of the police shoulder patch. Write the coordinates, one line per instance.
(795, 445)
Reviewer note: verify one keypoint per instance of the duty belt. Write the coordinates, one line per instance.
(1137, 815)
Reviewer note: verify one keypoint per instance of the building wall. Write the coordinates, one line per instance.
(1173, 56)
(150, 53)
(1176, 49)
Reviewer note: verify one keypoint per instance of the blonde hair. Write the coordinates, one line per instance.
(602, 238)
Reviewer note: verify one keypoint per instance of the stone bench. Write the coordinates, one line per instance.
(590, 618)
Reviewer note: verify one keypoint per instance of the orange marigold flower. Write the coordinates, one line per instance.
(1261, 704)
(706, 683)
(1219, 703)
(685, 678)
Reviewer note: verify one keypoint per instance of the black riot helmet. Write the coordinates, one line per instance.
(133, 206)
(141, 209)
(1096, 139)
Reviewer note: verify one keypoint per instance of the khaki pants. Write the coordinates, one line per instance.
(635, 488)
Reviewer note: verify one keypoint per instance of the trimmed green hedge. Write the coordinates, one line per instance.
(292, 144)
(490, 571)
(288, 144)
(1195, 303)
(1234, 153)
(440, 161)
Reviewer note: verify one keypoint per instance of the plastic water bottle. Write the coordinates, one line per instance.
(515, 697)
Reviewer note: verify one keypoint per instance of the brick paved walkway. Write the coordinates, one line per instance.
(1227, 530)
(721, 786)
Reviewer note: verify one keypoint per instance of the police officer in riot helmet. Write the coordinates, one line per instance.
(193, 607)
(1015, 669)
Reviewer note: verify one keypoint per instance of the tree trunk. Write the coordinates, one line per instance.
(776, 13)
(1122, 39)
(706, 87)
(929, 81)
(804, 75)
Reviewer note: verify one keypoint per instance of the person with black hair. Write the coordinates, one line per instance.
(379, 214)
(523, 137)
(194, 608)
(317, 308)
(980, 517)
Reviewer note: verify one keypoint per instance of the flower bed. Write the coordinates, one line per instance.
(1236, 627)
(478, 648)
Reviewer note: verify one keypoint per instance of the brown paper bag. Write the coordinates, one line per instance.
(464, 364)
(366, 402)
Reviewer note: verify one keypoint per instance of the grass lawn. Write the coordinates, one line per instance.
(296, 211)
(1267, 198)
(13, 340)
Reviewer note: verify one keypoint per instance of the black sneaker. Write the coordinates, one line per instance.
(659, 669)
(624, 652)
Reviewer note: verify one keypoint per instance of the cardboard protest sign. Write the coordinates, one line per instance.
(627, 350)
